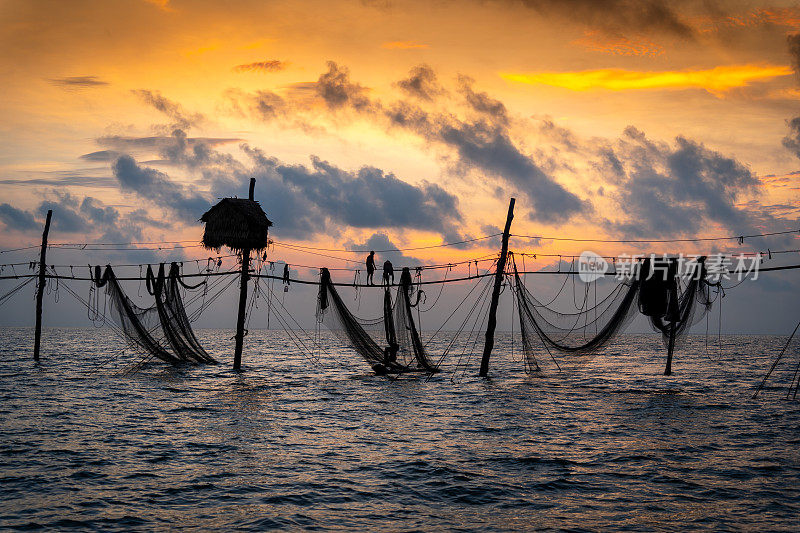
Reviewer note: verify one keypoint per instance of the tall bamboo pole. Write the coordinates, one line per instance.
(37, 339)
(498, 282)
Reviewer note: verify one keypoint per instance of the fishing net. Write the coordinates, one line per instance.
(577, 333)
(174, 321)
(669, 298)
(167, 315)
(391, 343)
(137, 323)
(411, 350)
(672, 301)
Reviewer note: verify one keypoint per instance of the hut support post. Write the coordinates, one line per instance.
(237, 356)
(37, 339)
(498, 282)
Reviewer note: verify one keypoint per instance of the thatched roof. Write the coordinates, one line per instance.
(237, 223)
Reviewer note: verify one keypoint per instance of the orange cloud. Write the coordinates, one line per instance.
(270, 65)
(716, 80)
(403, 45)
(785, 17)
(598, 42)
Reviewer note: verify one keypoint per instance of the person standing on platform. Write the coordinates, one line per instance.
(370, 268)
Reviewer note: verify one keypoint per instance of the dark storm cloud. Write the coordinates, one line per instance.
(78, 82)
(183, 119)
(95, 222)
(610, 161)
(155, 186)
(336, 89)
(74, 215)
(66, 218)
(98, 213)
(481, 102)
(670, 191)
(370, 197)
(623, 17)
(193, 153)
(270, 65)
(421, 83)
(306, 201)
(17, 219)
(486, 147)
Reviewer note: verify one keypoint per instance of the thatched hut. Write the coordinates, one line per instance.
(238, 223)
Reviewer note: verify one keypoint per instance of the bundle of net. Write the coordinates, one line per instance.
(390, 343)
(674, 298)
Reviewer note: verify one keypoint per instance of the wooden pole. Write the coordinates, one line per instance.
(670, 348)
(37, 339)
(237, 356)
(498, 282)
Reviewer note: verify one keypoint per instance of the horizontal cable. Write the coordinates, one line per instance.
(614, 257)
(308, 282)
(694, 239)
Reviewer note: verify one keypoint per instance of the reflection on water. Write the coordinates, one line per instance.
(609, 444)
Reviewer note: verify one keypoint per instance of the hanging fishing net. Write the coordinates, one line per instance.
(578, 333)
(161, 330)
(391, 343)
(410, 348)
(137, 323)
(673, 301)
(670, 298)
(172, 314)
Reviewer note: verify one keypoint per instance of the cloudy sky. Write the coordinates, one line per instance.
(389, 123)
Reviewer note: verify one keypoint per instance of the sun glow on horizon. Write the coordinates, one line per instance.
(716, 80)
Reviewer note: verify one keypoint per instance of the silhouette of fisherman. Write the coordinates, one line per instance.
(370, 268)
(286, 273)
(388, 272)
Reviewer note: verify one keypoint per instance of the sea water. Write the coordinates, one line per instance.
(312, 440)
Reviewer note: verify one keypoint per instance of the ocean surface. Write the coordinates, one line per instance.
(301, 442)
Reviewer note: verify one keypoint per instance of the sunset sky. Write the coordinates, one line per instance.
(386, 123)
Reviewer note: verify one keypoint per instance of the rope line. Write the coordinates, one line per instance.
(739, 238)
(343, 284)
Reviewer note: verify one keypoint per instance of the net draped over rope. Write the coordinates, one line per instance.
(168, 314)
(670, 308)
(390, 344)
(567, 332)
(654, 286)
(174, 321)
